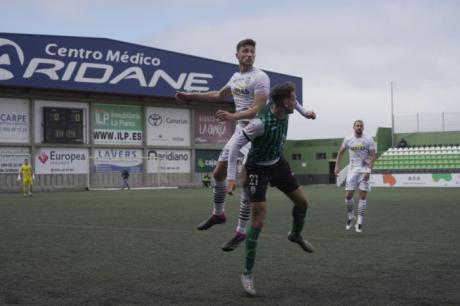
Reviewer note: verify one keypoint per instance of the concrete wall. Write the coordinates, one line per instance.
(48, 182)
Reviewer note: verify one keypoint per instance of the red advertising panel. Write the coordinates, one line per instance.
(209, 130)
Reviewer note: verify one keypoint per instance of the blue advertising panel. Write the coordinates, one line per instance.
(110, 66)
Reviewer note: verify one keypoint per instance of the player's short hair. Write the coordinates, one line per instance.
(360, 121)
(281, 91)
(245, 42)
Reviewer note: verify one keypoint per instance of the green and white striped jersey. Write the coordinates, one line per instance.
(267, 147)
(268, 136)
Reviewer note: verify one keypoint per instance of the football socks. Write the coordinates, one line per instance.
(251, 244)
(219, 197)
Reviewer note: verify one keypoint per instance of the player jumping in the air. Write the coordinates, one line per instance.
(250, 88)
(361, 150)
(265, 164)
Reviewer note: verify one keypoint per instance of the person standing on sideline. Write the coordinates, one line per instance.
(361, 150)
(206, 181)
(25, 171)
(125, 176)
(249, 87)
(265, 164)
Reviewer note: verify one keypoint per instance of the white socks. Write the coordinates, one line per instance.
(361, 210)
(245, 212)
(349, 205)
(220, 189)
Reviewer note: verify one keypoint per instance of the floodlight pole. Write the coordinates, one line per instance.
(392, 118)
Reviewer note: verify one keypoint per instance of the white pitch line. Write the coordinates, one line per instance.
(157, 230)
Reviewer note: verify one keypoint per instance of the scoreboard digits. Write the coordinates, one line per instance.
(63, 125)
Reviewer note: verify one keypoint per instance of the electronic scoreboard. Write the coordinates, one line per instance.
(63, 125)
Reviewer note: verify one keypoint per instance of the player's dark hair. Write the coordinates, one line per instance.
(245, 42)
(281, 91)
(358, 121)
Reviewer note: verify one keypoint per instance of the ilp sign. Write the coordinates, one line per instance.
(104, 65)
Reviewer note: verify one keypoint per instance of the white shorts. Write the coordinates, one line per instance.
(355, 180)
(226, 150)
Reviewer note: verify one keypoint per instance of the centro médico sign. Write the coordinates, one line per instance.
(109, 66)
(93, 64)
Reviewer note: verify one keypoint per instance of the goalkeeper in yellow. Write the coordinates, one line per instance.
(25, 171)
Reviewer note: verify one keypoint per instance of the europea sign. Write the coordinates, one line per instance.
(103, 65)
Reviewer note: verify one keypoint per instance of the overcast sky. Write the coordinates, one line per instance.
(346, 52)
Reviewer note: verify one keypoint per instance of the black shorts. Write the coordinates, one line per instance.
(278, 175)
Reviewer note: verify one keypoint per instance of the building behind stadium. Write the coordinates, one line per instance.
(83, 109)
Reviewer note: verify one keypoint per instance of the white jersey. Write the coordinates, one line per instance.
(359, 151)
(245, 85)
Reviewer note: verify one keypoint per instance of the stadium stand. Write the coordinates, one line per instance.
(420, 159)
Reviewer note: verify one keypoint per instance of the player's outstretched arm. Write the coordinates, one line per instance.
(210, 96)
(307, 114)
(260, 100)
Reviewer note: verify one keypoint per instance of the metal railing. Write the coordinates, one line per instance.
(440, 122)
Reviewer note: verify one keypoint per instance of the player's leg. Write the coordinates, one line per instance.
(259, 211)
(364, 188)
(244, 215)
(349, 207)
(299, 213)
(257, 185)
(350, 186)
(24, 187)
(285, 181)
(219, 192)
(30, 187)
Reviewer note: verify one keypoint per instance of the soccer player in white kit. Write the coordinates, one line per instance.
(361, 149)
(250, 88)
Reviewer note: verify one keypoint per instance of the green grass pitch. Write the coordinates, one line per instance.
(141, 247)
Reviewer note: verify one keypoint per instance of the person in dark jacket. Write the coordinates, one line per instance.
(125, 176)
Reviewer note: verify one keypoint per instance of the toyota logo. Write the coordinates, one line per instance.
(155, 119)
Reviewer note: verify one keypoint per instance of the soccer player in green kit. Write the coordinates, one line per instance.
(265, 164)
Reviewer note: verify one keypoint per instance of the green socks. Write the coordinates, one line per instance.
(251, 244)
(298, 219)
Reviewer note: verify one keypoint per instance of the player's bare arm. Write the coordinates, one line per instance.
(337, 161)
(259, 101)
(307, 114)
(210, 96)
(372, 156)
